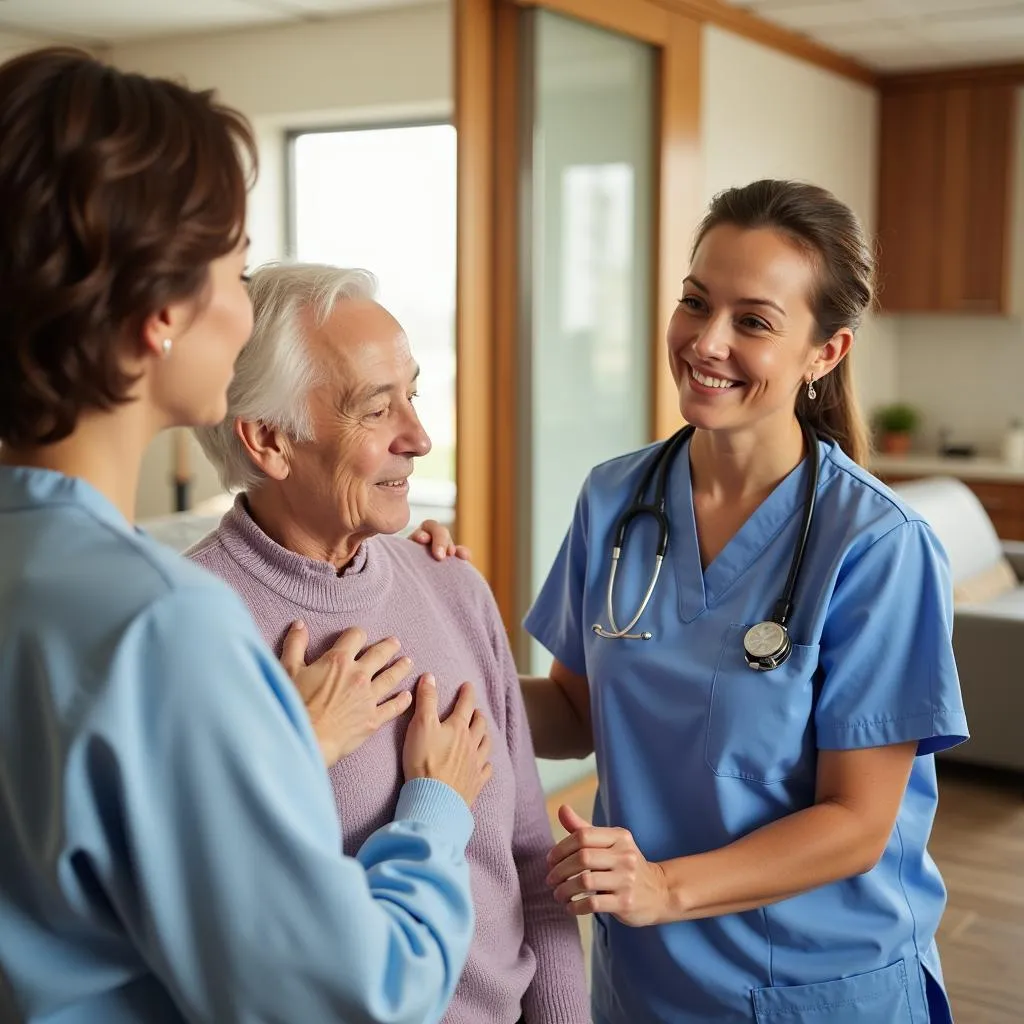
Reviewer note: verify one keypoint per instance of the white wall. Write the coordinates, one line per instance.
(12, 44)
(967, 373)
(375, 67)
(768, 115)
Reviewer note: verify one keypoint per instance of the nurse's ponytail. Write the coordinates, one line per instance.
(831, 233)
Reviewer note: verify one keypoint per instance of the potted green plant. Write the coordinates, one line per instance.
(895, 423)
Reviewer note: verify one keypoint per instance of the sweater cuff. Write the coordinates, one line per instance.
(435, 803)
(551, 1004)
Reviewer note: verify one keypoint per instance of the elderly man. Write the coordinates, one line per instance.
(320, 438)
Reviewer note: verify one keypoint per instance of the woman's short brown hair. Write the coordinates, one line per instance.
(116, 193)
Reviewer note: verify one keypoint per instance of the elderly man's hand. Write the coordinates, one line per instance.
(344, 691)
(439, 539)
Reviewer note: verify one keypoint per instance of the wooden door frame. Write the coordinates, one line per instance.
(488, 94)
(474, 84)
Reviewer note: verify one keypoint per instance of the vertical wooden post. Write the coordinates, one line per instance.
(511, 93)
(474, 22)
(680, 183)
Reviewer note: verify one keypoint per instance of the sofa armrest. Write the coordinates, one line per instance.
(1014, 552)
(987, 649)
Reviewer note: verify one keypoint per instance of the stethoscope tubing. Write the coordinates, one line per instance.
(658, 471)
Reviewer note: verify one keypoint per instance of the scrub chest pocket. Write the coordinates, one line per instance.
(880, 997)
(759, 724)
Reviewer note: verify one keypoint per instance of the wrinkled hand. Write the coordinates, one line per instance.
(344, 691)
(439, 538)
(454, 751)
(601, 870)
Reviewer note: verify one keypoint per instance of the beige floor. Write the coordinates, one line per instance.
(978, 843)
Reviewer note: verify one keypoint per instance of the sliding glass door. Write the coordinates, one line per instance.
(588, 232)
(578, 191)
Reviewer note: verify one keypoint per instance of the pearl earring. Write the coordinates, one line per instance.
(165, 347)
(811, 393)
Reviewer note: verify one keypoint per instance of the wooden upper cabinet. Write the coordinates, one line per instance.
(945, 201)
(974, 252)
(909, 198)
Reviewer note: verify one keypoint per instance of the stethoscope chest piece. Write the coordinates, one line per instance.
(766, 645)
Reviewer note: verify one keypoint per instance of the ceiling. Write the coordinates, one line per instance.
(107, 21)
(891, 35)
(887, 35)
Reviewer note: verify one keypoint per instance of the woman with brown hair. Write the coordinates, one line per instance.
(170, 849)
(764, 706)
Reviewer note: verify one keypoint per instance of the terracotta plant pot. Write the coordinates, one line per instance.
(896, 444)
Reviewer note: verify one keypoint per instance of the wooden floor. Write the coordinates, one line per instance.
(978, 843)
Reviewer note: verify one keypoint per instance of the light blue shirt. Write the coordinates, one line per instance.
(170, 847)
(694, 749)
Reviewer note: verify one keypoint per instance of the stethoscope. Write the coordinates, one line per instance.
(766, 645)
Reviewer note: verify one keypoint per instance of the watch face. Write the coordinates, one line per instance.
(764, 640)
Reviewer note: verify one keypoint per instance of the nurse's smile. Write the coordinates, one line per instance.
(707, 383)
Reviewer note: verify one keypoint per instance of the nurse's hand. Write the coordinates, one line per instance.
(439, 538)
(345, 691)
(602, 871)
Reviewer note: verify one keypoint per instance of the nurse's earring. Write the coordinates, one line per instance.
(811, 393)
(165, 347)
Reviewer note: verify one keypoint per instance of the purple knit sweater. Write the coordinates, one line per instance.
(526, 955)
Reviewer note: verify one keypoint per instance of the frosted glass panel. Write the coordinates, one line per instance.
(590, 244)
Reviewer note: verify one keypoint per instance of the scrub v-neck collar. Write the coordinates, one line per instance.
(700, 588)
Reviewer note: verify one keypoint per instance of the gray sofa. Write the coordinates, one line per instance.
(988, 626)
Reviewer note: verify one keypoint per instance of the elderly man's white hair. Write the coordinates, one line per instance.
(274, 372)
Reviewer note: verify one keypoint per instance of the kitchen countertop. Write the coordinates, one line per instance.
(976, 467)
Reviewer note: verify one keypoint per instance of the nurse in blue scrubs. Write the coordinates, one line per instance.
(759, 844)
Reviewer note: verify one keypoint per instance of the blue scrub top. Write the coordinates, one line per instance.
(169, 847)
(694, 749)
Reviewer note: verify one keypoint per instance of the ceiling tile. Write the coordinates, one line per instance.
(767, 7)
(895, 34)
(938, 57)
(936, 7)
(335, 7)
(871, 37)
(963, 30)
(804, 18)
(121, 19)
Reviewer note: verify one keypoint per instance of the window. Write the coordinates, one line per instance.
(384, 199)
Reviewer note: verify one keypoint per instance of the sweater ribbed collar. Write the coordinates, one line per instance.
(306, 582)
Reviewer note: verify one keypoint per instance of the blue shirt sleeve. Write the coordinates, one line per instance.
(556, 617)
(206, 812)
(886, 649)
